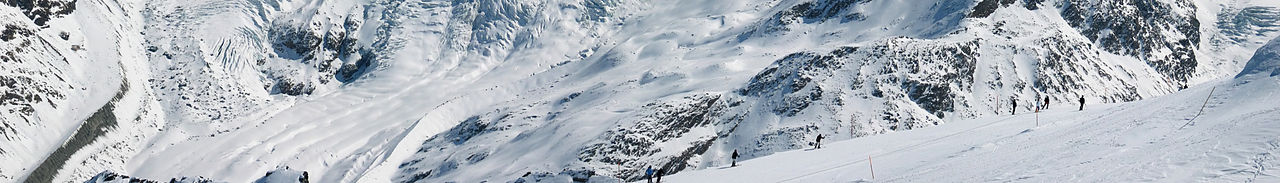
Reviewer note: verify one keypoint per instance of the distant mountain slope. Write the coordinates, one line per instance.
(428, 91)
(844, 83)
(1164, 139)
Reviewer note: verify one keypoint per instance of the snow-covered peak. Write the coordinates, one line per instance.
(1265, 61)
(1223, 131)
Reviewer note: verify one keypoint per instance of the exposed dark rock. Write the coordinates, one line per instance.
(935, 98)
(466, 129)
(40, 11)
(789, 79)
(351, 72)
(808, 13)
(1139, 28)
(1032, 4)
(986, 7)
(11, 32)
(598, 10)
(291, 87)
(669, 120)
(1062, 68)
(333, 53)
(578, 175)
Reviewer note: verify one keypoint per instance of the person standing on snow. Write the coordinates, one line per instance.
(735, 158)
(1046, 103)
(818, 144)
(660, 171)
(1013, 110)
(1081, 103)
(648, 173)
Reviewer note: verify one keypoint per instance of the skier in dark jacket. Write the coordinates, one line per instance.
(735, 158)
(660, 171)
(818, 143)
(648, 173)
(1013, 110)
(1046, 103)
(1081, 103)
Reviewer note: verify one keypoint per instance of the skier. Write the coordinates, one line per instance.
(1081, 103)
(818, 143)
(1015, 106)
(648, 173)
(660, 171)
(1046, 103)
(735, 158)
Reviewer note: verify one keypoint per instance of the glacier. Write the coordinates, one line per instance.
(600, 90)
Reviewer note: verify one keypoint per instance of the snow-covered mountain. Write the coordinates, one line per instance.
(1221, 131)
(504, 90)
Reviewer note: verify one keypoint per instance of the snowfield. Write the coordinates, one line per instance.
(599, 90)
(1235, 139)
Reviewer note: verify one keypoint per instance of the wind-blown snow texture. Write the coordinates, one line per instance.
(559, 90)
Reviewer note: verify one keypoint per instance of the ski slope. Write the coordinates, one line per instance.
(1158, 140)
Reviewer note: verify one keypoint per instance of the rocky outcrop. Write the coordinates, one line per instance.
(1165, 34)
(809, 12)
(40, 11)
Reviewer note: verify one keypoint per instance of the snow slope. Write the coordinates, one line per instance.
(431, 91)
(611, 116)
(1164, 139)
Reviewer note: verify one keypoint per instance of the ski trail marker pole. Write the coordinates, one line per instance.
(1202, 108)
(873, 167)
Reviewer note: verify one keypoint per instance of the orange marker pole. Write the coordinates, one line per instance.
(873, 167)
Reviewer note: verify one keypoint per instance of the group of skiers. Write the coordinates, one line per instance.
(1045, 105)
(649, 173)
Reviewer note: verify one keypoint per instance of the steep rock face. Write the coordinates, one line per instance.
(32, 81)
(649, 140)
(40, 11)
(789, 80)
(986, 7)
(1140, 28)
(34, 85)
(330, 49)
(808, 13)
(1070, 65)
